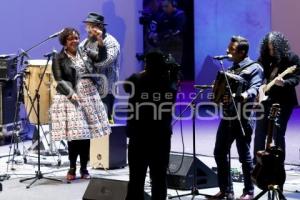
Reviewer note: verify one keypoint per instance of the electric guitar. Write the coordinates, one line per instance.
(269, 169)
(263, 89)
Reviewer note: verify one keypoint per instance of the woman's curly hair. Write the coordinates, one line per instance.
(67, 32)
(281, 50)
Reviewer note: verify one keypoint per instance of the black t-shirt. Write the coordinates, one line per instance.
(150, 107)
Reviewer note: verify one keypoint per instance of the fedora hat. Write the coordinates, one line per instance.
(95, 18)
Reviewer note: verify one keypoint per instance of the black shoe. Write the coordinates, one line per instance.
(246, 196)
(222, 196)
(85, 174)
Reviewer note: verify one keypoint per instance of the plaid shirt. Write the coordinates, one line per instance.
(110, 66)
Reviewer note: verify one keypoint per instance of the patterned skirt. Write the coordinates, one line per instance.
(82, 119)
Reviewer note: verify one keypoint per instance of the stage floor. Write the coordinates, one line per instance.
(49, 190)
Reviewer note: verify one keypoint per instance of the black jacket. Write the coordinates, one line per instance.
(65, 73)
(286, 95)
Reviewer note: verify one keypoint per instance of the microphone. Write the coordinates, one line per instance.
(228, 56)
(56, 34)
(203, 86)
(50, 53)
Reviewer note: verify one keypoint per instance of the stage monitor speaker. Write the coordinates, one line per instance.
(109, 152)
(107, 189)
(183, 178)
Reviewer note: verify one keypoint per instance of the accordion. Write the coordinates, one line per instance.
(220, 88)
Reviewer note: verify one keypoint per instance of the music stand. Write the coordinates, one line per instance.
(194, 190)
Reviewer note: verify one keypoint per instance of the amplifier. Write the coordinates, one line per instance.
(8, 98)
(8, 68)
(109, 151)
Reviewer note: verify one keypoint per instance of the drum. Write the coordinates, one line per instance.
(32, 79)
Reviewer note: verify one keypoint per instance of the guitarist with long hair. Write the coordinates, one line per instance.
(281, 69)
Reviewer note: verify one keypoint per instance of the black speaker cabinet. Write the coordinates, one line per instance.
(109, 152)
(8, 98)
(8, 67)
(107, 189)
(183, 178)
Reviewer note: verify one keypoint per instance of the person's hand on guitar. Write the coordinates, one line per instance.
(279, 82)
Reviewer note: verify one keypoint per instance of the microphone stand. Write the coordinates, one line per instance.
(15, 135)
(194, 190)
(233, 100)
(229, 121)
(22, 55)
(16, 127)
(38, 174)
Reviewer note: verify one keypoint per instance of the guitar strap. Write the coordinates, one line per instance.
(273, 73)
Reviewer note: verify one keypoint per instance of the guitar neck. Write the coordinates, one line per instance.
(272, 83)
(272, 118)
(270, 134)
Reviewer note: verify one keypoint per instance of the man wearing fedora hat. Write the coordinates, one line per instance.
(101, 42)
